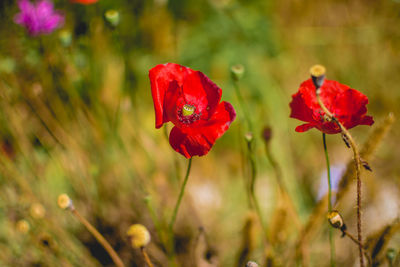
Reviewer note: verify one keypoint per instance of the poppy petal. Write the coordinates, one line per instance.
(198, 141)
(201, 92)
(304, 127)
(299, 109)
(347, 105)
(160, 78)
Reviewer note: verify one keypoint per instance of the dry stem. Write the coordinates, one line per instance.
(114, 256)
(146, 257)
(357, 161)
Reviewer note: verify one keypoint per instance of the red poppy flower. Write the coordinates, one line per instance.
(191, 101)
(345, 103)
(85, 2)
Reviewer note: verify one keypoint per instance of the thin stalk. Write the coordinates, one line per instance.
(156, 222)
(114, 256)
(253, 168)
(178, 203)
(359, 244)
(253, 177)
(357, 161)
(328, 169)
(242, 105)
(282, 188)
(146, 257)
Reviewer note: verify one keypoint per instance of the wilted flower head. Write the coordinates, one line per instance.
(38, 18)
(346, 104)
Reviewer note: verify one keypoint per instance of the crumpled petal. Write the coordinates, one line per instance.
(198, 141)
(346, 104)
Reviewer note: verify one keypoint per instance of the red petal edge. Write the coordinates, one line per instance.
(160, 78)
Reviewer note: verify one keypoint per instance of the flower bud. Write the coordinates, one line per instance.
(65, 37)
(249, 137)
(22, 226)
(318, 75)
(37, 211)
(112, 17)
(237, 72)
(335, 219)
(391, 255)
(139, 235)
(65, 202)
(267, 134)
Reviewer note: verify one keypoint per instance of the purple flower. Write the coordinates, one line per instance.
(38, 18)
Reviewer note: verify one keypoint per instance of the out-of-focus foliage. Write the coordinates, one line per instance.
(77, 117)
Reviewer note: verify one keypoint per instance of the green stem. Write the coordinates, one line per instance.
(242, 105)
(328, 169)
(178, 203)
(156, 222)
(253, 177)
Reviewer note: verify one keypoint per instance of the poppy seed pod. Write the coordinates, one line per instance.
(37, 211)
(112, 17)
(22, 226)
(248, 137)
(318, 75)
(64, 202)
(139, 235)
(335, 219)
(237, 72)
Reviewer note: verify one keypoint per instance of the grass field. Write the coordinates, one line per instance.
(77, 117)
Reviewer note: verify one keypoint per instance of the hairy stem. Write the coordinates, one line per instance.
(357, 161)
(355, 240)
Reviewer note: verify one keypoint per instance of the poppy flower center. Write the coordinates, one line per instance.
(188, 110)
(188, 114)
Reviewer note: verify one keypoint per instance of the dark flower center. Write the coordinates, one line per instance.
(188, 115)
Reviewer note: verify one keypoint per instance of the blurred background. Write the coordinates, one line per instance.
(77, 117)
